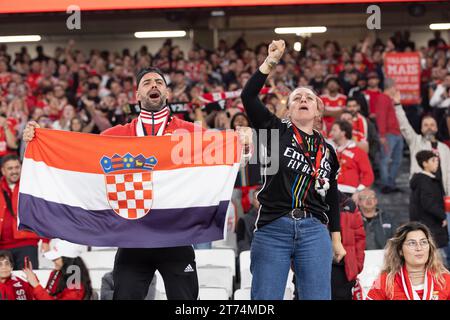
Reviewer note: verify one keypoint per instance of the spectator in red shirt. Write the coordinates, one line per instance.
(12, 287)
(356, 172)
(372, 92)
(19, 243)
(333, 101)
(413, 268)
(8, 136)
(69, 280)
(391, 139)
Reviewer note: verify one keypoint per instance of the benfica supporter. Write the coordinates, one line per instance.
(356, 171)
(61, 284)
(333, 101)
(20, 243)
(134, 267)
(12, 287)
(298, 201)
(413, 268)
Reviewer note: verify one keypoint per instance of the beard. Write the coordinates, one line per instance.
(429, 135)
(152, 106)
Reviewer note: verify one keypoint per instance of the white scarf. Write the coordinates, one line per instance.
(152, 118)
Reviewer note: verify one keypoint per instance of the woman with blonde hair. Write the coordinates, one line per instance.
(413, 268)
(299, 201)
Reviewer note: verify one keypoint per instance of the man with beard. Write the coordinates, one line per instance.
(134, 267)
(20, 244)
(424, 141)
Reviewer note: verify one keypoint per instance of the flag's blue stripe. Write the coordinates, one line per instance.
(159, 228)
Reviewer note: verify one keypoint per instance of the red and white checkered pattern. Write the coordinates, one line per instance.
(130, 194)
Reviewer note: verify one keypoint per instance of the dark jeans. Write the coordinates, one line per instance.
(134, 270)
(341, 288)
(20, 253)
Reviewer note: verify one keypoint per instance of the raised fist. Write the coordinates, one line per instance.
(276, 50)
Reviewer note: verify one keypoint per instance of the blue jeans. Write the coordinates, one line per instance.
(307, 243)
(390, 160)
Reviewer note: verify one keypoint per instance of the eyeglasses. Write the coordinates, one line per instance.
(411, 244)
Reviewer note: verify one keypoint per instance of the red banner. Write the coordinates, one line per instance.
(404, 68)
(23, 6)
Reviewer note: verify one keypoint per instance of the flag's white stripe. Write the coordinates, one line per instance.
(179, 188)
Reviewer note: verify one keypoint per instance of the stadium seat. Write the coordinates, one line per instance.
(213, 294)
(99, 259)
(96, 276)
(373, 262)
(217, 258)
(216, 277)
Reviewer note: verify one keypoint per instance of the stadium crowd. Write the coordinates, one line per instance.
(363, 119)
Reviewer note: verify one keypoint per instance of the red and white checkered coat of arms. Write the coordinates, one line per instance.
(129, 185)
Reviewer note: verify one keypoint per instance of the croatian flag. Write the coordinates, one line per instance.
(128, 192)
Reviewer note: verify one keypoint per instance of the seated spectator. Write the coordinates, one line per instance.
(378, 225)
(61, 284)
(107, 288)
(427, 199)
(12, 287)
(345, 272)
(356, 172)
(413, 268)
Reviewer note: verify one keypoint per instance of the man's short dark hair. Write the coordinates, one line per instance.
(9, 157)
(424, 156)
(6, 255)
(352, 99)
(144, 71)
(346, 127)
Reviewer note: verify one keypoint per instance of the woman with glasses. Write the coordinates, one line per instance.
(413, 268)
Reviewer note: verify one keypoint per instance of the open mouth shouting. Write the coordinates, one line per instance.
(303, 107)
(154, 95)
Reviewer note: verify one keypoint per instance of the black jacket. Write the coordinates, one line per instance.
(427, 206)
(378, 230)
(244, 230)
(292, 185)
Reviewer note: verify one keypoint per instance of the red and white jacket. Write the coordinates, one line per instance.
(356, 171)
(10, 236)
(330, 103)
(16, 289)
(403, 289)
